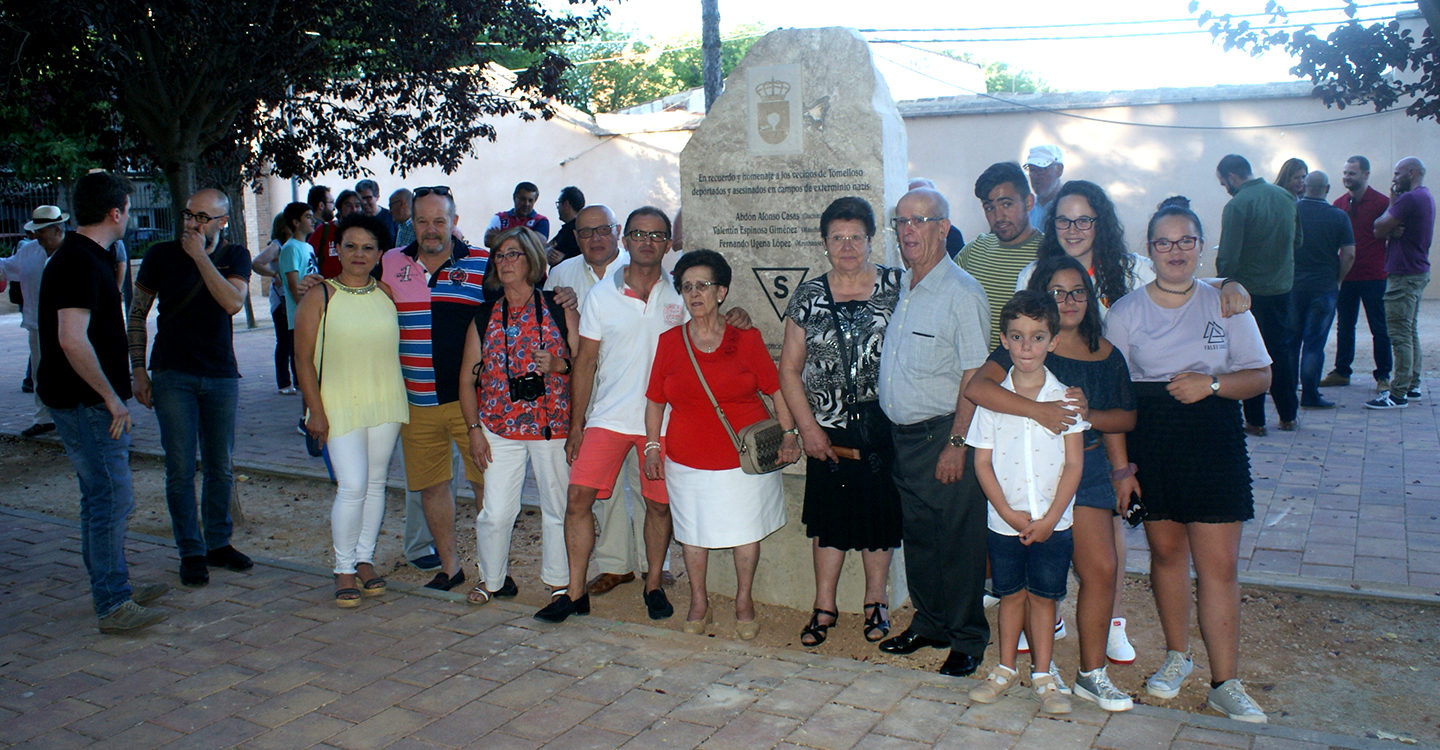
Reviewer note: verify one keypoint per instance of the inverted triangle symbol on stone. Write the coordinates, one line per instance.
(778, 284)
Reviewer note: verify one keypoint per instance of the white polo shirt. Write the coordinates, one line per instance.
(1027, 458)
(578, 275)
(628, 329)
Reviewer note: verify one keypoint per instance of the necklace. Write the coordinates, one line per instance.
(1181, 293)
(368, 288)
(695, 340)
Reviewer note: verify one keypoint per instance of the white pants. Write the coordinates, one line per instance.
(361, 460)
(42, 415)
(504, 479)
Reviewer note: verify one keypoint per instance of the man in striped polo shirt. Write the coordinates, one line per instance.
(437, 284)
(996, 259)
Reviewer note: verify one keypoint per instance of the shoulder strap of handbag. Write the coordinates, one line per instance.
(852, 395)
(324, 322)
(735, 439)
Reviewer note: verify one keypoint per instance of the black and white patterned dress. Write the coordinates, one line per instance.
(849, 504)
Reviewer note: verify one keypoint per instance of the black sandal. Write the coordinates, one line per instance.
(877, 620)
(816, 630)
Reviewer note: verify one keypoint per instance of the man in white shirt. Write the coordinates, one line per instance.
(26, 266)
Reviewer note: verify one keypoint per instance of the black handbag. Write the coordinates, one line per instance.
(867, 421)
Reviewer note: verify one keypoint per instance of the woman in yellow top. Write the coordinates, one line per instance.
(347, 351)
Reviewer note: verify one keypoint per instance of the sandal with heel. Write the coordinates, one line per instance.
(878, 620)
(817, 631)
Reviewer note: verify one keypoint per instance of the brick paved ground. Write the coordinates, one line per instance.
(1349, 501)
(264, 660)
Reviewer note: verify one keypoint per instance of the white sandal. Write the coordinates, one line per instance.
(479, 589)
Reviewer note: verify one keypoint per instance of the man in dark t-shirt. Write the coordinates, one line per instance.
(193, 384)
(1324, 258)
(84, 383)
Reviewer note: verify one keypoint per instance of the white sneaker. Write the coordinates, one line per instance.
(991, 601)
(1059, 681)
(1232, 700)
(1166, 681)
(1097, 688)
(288, 391)
(1024, 646)
(1117, 648)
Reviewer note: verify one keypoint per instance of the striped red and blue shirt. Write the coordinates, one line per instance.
(434, 314)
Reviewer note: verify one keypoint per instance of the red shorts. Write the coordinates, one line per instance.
(602, 453)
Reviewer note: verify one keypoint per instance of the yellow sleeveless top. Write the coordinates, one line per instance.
(357, 353)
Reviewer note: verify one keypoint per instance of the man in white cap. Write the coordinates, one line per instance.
(47, 223)
(1044, 165)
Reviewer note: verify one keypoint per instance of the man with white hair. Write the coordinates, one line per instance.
(1044, 165)
(47, 223)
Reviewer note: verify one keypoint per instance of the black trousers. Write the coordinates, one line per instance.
(1272, 315)
(944, 533)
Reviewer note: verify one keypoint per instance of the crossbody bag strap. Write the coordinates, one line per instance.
(685, 334)
(324, 323)
(852, 394)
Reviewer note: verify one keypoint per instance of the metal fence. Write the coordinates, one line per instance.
(151, 218)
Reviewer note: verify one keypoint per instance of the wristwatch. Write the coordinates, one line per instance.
(1214, 384)
(957, 441)
(566, 371)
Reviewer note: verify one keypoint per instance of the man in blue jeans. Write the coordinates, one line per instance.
(1321, 262)
(193, 384)
(1366, 282)
(83, 381)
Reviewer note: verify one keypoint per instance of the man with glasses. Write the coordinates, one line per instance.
(1259, 233)
(193, 383)
(1365, 284)
(369, 192)
(564, 246)
(1045, 165)
(522, 215)
(437, 283)
(996, 259)
(934, 344)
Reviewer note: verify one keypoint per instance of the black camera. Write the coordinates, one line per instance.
(527, 387)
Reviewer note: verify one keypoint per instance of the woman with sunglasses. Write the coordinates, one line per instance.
(1191, 367)
(1084, 360)
(515, 395)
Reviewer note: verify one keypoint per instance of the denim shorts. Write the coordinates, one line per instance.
(1095, 489)
(1041, 568)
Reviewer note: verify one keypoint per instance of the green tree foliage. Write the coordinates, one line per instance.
(627, 71)
(1000, 78)
(303, 86)
(1354, 64)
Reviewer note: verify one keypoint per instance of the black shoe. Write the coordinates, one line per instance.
(193, 571)
(228, 558)
(427, 563)
(658, 604)
(508, 590)
(442, 582)
(37, 429)
(1409, 396)
(1318, 403)
(27, 387)
(561, 607)
(959, 664)
(909, 642)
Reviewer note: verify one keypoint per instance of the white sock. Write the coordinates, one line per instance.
(1037, 675)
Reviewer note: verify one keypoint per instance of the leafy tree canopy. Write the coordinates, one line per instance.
(619, 70)
(1380, 64)
(1000, 78)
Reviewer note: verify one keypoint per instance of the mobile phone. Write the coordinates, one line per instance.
(1136, 513)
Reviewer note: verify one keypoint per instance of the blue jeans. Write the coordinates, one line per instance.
(1347, 311)
(192, 409)
(103, 467)
(1311, 315)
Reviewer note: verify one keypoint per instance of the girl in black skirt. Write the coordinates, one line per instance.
(1191, 367)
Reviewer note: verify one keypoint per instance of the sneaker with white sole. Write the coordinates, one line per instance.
(1002, 680)
(1060, 632)
(1059, 681)
(1166, 681)
(1097, 688)
(1052, 701)
(1232, 700)
(1117, 647)
(130, 616)
(1386, 401)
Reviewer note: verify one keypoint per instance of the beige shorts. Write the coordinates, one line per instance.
(426, 441)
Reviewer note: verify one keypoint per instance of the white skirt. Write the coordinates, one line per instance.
(725, 508)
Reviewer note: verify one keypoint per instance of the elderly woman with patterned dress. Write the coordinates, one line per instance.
(515, 395)
(1190, 368)
(347, 342)
(829, 365)
(714, 504)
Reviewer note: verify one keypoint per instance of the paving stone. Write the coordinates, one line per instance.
(1056, 734)
(714, 706)
(884, 742)
(585, 658)
(283, 678)
(288, 706)
(417, 646)
(369, 700)
(633, 712)
(434, 668)
(501, 741)
(835, 727)
(918, 720)
(381, 730)
(829, 675)
(490, 642)
(528, 690)
(688, 678)
(511, 663)
(203, 712)
(876, 693)
(1009, 715)
(65, 686)
(144, 736)
(346, 652)
(358, 674)
(220, 735)
(55, 739)
(278, 653)
(664, 734)
(607, 684)
(466, 725)
(763, 673)
(549, 719)
(752, 730)
(118, 718)
(450, 694)
(1215, 737)
(798, 698)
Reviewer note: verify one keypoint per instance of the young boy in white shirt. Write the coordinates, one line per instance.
(1029, 475)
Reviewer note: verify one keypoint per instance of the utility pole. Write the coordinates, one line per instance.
(710, 49)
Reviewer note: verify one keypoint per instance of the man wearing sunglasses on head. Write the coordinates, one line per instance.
(193, 384)
(437, 282)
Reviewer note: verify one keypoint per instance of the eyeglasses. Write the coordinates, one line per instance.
(900, 222)
(841, 239)
(1082, 223)
(1188, 242)
(640, 236)
(586, 233)
(510, 256)
(696, 286)
(201, 219)
(1061, 295)
(421, 192)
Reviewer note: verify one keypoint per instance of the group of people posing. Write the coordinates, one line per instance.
(1000, 412)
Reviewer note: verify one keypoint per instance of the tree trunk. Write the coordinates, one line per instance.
(180, 178)
(1431, 10)
(710, 49)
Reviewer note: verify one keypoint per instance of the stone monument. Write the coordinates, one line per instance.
(805, 119)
